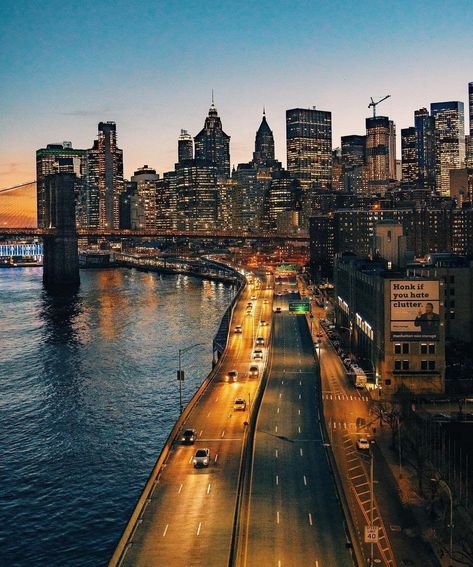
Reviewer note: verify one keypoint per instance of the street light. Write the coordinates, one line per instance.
(444, 482)
(180, 372)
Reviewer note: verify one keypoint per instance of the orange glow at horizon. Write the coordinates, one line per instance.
(18, 207)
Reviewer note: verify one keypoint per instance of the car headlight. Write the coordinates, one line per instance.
(206, 461)
(195, 461)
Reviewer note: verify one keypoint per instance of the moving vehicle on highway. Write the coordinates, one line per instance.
(277, 310)
(188, 437)
(238, 329)
(363, 444)
(263, 323)
(258, 354)
(201, 458)
(260, 341)
(254, 371)
(231, 376)
(239, 404)
(358, 377)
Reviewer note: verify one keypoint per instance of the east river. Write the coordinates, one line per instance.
(88, 395)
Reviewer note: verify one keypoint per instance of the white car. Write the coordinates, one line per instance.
(363, 444)
(260, 341)
(201, 458)
(238, 329)
(239, 404)
(253, 297)
(258, 354)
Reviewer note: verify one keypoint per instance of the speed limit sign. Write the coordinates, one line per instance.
(371, 534)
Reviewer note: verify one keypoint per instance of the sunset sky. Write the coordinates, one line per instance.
(151, 66)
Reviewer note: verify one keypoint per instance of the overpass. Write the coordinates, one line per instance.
(112, 234)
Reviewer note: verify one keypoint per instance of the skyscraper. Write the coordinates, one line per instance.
(58, 158)
(144, 214)
(212, 145)
(425, 148)
(410, 171)
(264, 144)
(185, 146)
(380, 140)
(105, 178)
(309, 146)
(353, 163)
(449, 141)
(470, 106)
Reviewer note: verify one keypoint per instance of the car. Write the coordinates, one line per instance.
(363, 444)
(188, 437)
(201, 458)
(260, 341)
(257, 354)
(263, 323)
(265, 302)
(277, 310)
(239, 404)
(231, 376)
(238, 329)
(249, 305)
(249, 312)
(253, 297)
(254, 371)
(320, 334)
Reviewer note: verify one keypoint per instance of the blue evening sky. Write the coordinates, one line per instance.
(151, 66)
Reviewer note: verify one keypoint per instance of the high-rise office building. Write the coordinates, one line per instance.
(449, 141)
(392, 150)
(58, 158)
(379, 140)
(309, 146)
(354, 171)
(185, 146)
(105, 178)
(470, 106)
(212, 145)
(425, 148)
(264, 145)
(145, 211)
(410, 170)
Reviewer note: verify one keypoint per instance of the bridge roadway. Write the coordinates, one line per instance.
(294, 517)
(189, 518)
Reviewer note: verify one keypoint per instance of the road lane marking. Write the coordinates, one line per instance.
(277, 411)
(208, 488)
(305, 480)
(165, 530)
(300, 396)
(208, 415)
(280, 395)
(216, 399)
(180, 488)
(198, 529)
(277, 517)
(277, 479)
(201, 431)
(301, 452)
(300, 382)
(282, 381)
(190, 460)
(277, 454)
(223, 433)
(216, 457)
(275, 428)
(299, 428)
(310, 518)
(299, 412)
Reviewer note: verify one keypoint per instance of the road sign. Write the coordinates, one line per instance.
(371, 534)
(299, 307)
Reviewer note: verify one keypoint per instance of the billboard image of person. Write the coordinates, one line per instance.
(427, 321)
(415, 310)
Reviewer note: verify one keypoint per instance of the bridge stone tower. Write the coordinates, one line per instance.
(61, 257)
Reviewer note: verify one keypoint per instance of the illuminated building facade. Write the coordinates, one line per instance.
(425, 148)
(379, 134)
(410, 170)
(309, 146)
(212, 145)
(185, 146)
(104, 178)
(146, 198)
(59, 158)
(449, 141)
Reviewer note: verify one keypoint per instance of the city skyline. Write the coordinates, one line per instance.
(152, 84)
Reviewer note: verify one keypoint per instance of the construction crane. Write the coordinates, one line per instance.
(375, 104)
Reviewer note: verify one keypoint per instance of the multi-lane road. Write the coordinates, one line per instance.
(293, 517)
(188, 519)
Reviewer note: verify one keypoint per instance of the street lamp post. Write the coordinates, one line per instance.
(449, 492)
(180, 372)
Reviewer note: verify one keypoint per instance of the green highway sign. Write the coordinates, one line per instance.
(299, 307)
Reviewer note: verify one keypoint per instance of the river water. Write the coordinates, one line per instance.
(88, 395)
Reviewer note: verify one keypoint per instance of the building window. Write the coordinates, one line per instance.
(431, 348)
(452, 314)
(423, 365)
(405, 348)
(452, 291)
(405, 365)
(397, 365)
(431, 364)
(452, 279)
(423, 348)
(452, 303)
(387, 382)
(397, 348)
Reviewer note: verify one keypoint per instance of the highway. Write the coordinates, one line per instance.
(293, 517)
(188, 519)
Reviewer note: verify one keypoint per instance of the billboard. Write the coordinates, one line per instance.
(415, 310)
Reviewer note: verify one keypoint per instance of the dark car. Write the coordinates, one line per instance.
(188, 437)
